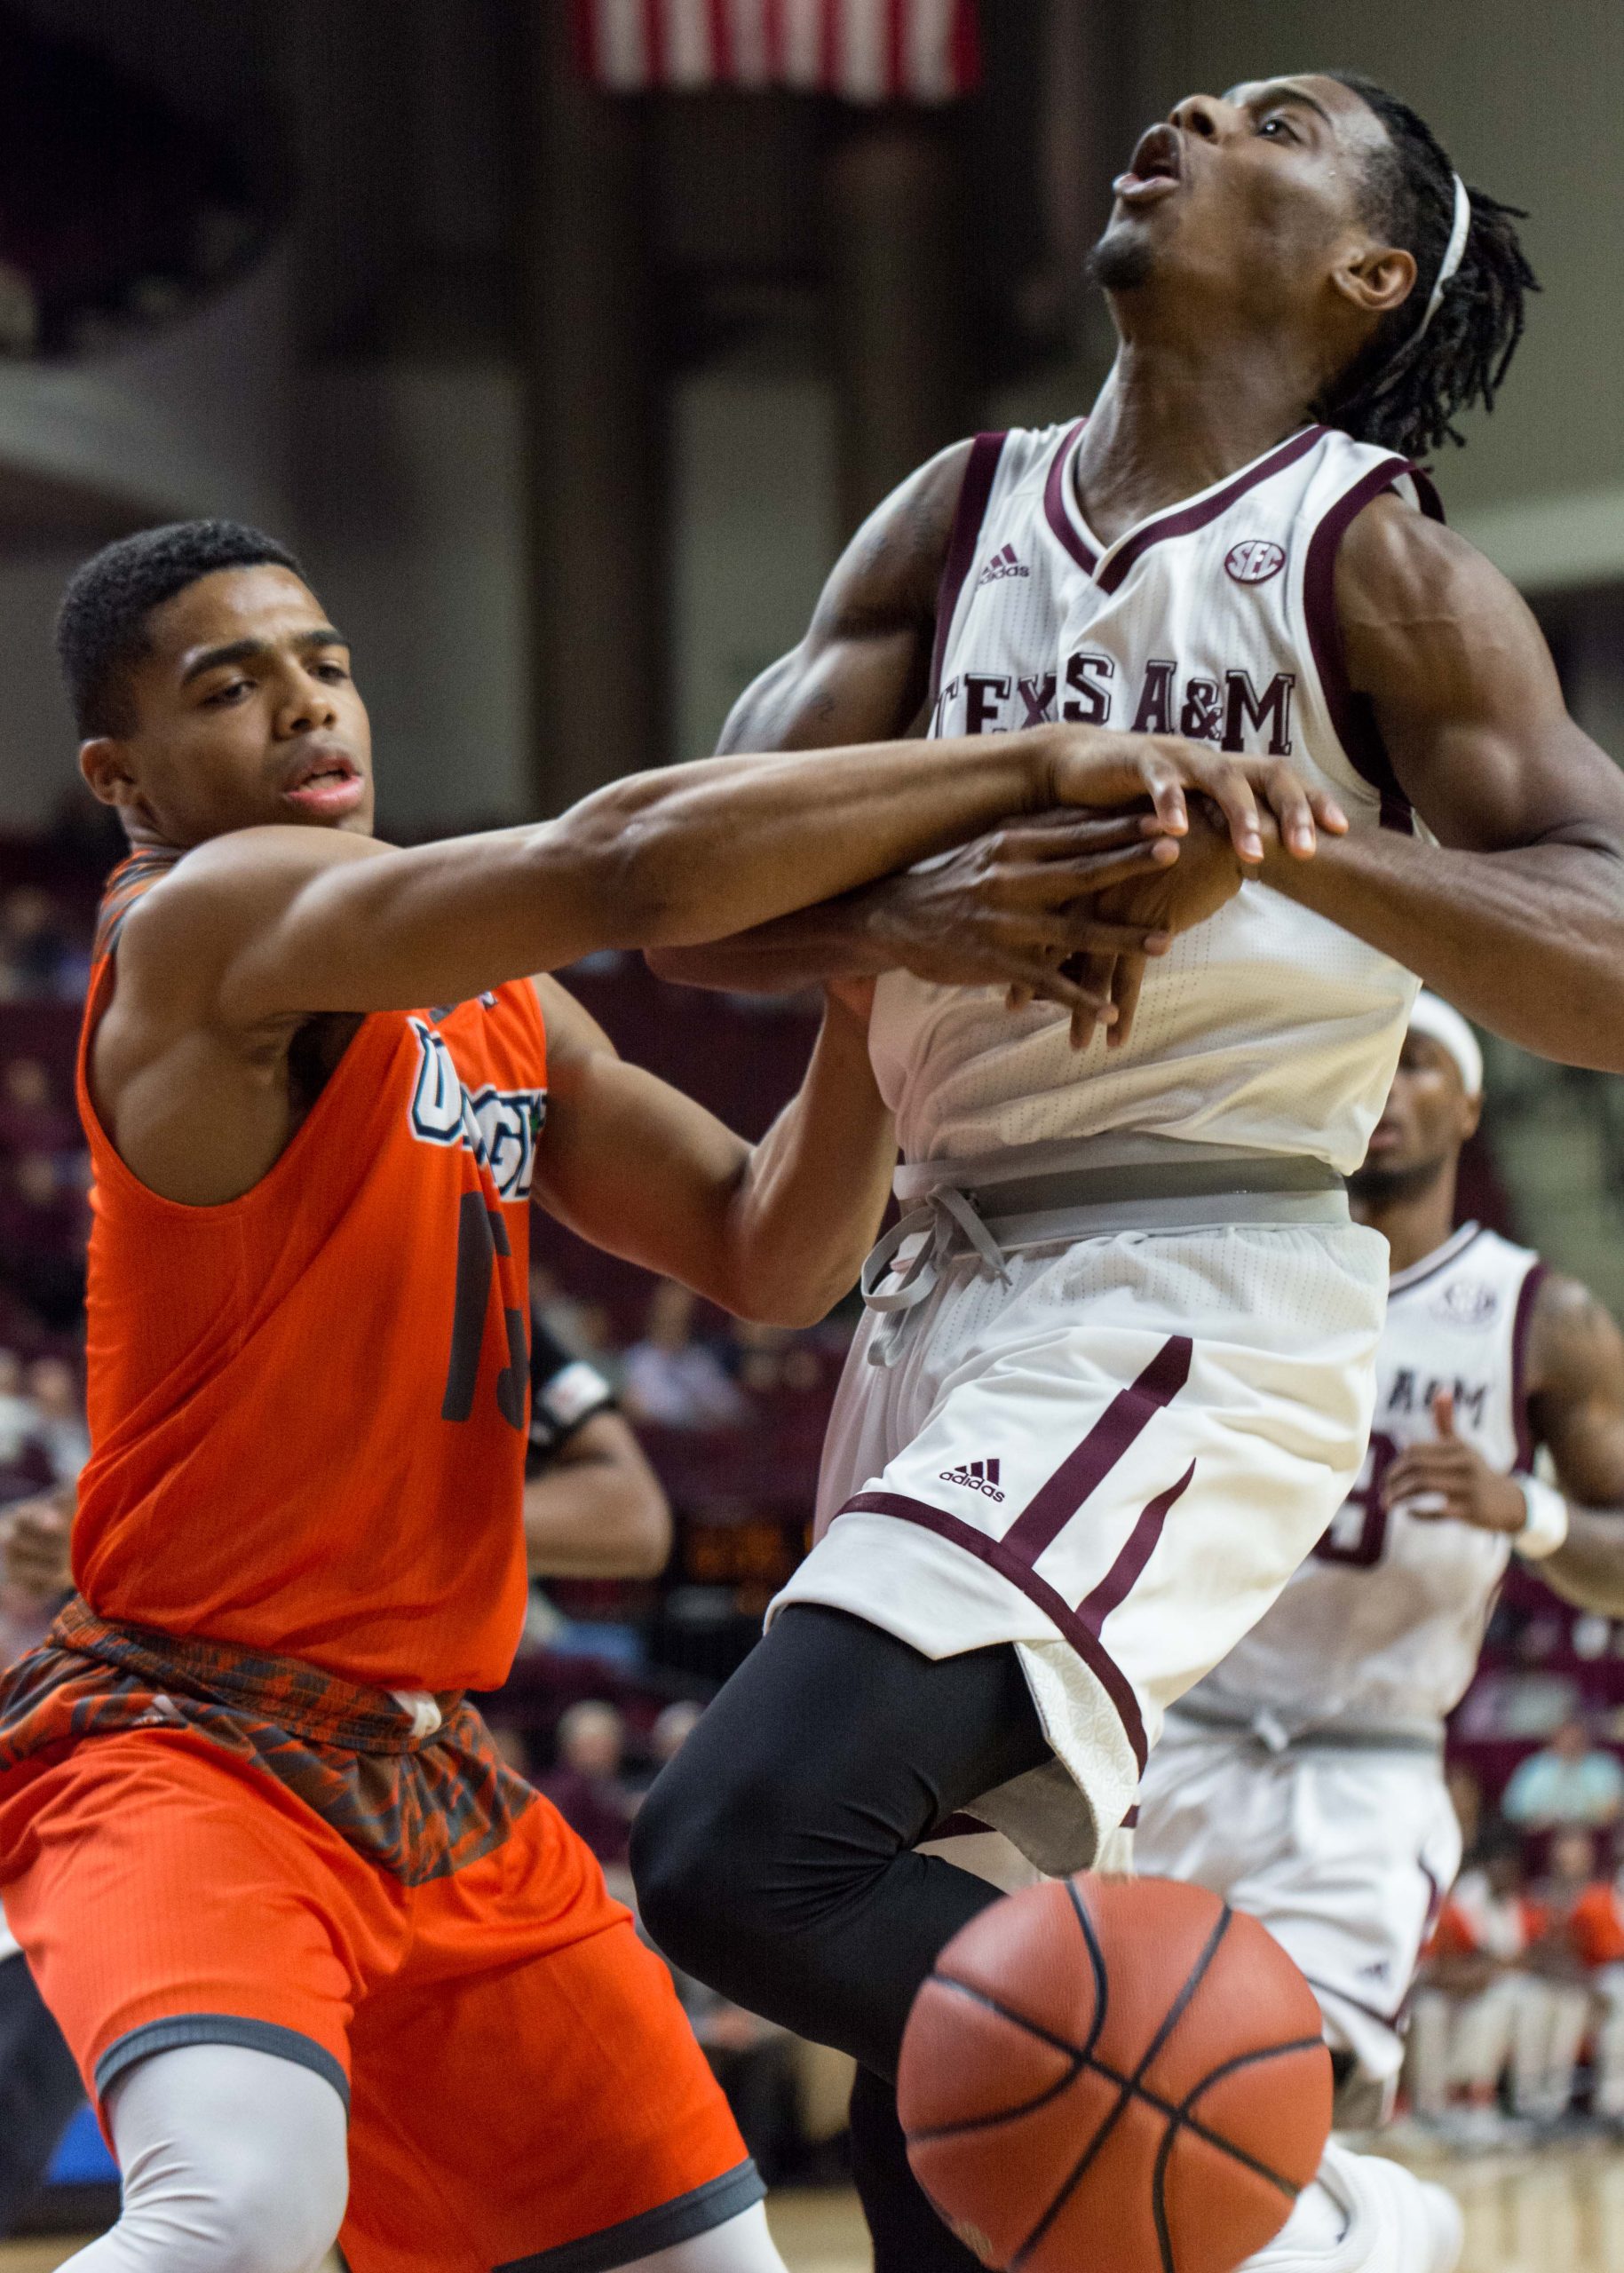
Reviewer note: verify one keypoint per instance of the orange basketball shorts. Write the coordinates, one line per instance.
(521, 2078)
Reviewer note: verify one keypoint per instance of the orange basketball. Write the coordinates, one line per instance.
(1117, 2073)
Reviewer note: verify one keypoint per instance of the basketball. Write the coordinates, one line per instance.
(1121, 2073)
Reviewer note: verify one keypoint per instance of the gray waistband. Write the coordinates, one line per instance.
(1036, 1195)
(1264, 1731)
(1033, 1193)
(1122, 1167)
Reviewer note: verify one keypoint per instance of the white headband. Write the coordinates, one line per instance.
(1441, 1023)
(1452, 251)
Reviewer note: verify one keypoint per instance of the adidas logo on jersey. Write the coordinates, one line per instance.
(1002, 563)
(975, 1476)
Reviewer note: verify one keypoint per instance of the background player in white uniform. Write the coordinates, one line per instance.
(1303, 1777)
(1125, 1366)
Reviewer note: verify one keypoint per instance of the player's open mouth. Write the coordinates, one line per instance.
(1386, 1136)
(1156, 168)
(327, 785)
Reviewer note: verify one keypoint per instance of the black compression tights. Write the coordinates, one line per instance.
(774, 1861)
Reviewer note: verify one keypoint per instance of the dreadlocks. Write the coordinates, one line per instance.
(1405, 389)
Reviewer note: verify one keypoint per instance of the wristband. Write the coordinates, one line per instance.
(1545, 1523)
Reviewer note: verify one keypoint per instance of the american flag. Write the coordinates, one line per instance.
(864, 51)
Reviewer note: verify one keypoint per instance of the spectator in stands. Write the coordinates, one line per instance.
(587, 1787)
(1495, 1990)
(1592, 1916)
(18, 1422)
(673, 1380)
(31, 1119)
(53, 1390)
(1571, 1781)
(42, 1238)
(34, 1572)
(36, 953)
(673, 1729)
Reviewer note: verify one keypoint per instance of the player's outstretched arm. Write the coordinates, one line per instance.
(272, 925)
(1519, 917)
(1576, 1402)
(775, 1232)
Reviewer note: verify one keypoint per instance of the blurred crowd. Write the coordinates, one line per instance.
(1517, 2022)
(44, 1164)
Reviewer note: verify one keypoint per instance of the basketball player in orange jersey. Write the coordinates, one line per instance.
(1117, 1384)
(263, 1860)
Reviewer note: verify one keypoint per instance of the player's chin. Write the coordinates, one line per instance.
(1125, 257)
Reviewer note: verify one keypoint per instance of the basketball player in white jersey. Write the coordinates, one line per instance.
(1303, 1778)
(1118, 1373)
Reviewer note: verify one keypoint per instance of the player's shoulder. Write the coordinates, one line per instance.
(1571, 1326)
(1488, 1246)
(230, 878)
(177, 935)
(1396, 557)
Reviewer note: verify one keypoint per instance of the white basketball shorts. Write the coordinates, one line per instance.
(1345, 1855)
(1113, 1456)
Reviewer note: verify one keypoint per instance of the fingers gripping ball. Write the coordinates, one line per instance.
(1117, 2073)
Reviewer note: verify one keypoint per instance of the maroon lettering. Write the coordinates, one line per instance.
(985, 695)
(1201, 716)
(1088, 676)
(1038, 695)
(1154, 714)
(1271, 708)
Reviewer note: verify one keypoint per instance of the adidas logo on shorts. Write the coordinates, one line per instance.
(976, 1476)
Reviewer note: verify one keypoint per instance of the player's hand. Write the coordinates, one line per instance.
(1448, 1480)
(1014, 908)
(1093, 766)
(1206, 877)
(35, 1536)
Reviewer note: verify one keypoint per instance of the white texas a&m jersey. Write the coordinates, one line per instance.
(1268, 1028)
(1380, 1628)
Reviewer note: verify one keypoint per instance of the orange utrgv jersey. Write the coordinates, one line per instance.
(308, 1407)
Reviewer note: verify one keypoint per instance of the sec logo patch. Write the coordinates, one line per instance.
(1255, 560)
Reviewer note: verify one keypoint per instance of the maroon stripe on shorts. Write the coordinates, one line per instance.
(976, 489)
(1082, 1472)
(1124, 1573)
(997, 1557)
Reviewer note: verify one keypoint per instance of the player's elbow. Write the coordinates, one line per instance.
(795, 1299)
(631, 851)
(642, 1523)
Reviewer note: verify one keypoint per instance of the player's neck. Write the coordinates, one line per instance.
(1171, 421)
(1415, 1223)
